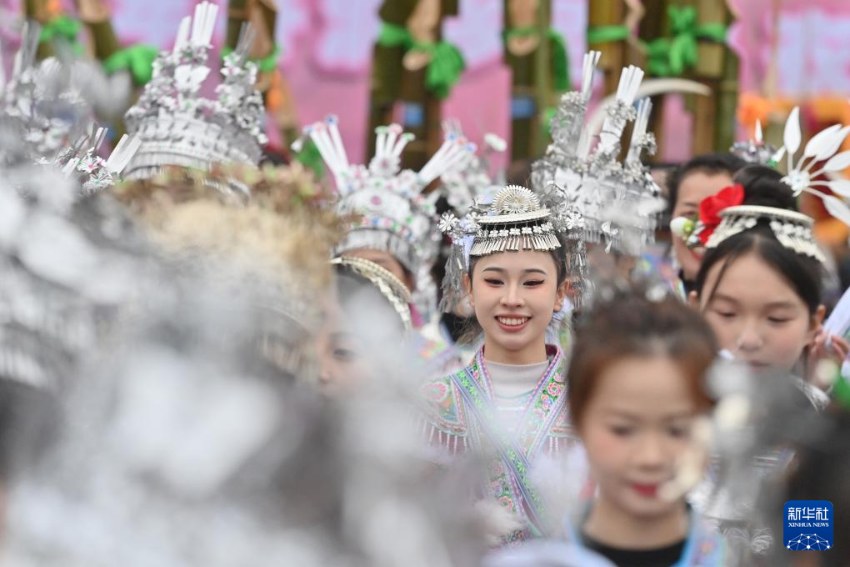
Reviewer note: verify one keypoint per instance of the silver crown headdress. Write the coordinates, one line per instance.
(515, 220)
(179, 127)
(43, 107)
(386, 205)
(755, 150)
(617, 200)
(471, 179)
(39, 106)
(394, 215)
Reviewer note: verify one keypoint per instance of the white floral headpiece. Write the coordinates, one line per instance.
(618, 201)
(802, 177)
(792, 229)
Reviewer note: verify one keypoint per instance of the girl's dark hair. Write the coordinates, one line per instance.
(628, 324)
(710, 164)
(762, 186)
(472, 328)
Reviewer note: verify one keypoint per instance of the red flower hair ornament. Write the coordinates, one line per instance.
(710, 208)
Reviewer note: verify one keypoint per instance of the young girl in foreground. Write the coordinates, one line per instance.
(636, 395)
(636, 391)
(510, 400)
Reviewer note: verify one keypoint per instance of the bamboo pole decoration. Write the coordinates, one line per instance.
(42, 11)
(717, 68)
(262, 16)
(602, 14)
(543, 82)
(528, 52)
(97, 18)
(410, 34)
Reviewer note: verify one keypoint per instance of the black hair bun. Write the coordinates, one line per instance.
(763, 187)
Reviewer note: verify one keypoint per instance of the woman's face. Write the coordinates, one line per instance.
(344, 364)
(694, 187)
(636, 428)
(359, 325)
(514, 295)
(343, 360)
(756, 314)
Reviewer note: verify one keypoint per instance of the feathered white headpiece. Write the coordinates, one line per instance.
(802, 177)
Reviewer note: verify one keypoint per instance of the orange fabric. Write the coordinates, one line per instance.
(752, 107)
(831, 232)
(274, 94)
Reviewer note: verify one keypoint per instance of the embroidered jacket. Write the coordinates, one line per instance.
(462, 416)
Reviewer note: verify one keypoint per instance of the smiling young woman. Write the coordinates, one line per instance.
(514, 295)
(512, 396)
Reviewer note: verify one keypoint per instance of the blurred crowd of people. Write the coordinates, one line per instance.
(208, 359)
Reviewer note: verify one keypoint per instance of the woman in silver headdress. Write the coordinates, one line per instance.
(390, 219)
(509, 259)
(370, 311)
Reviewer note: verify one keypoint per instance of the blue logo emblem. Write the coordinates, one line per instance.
(808, 525)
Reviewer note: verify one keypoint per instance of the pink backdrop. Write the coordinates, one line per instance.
(327, 45)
